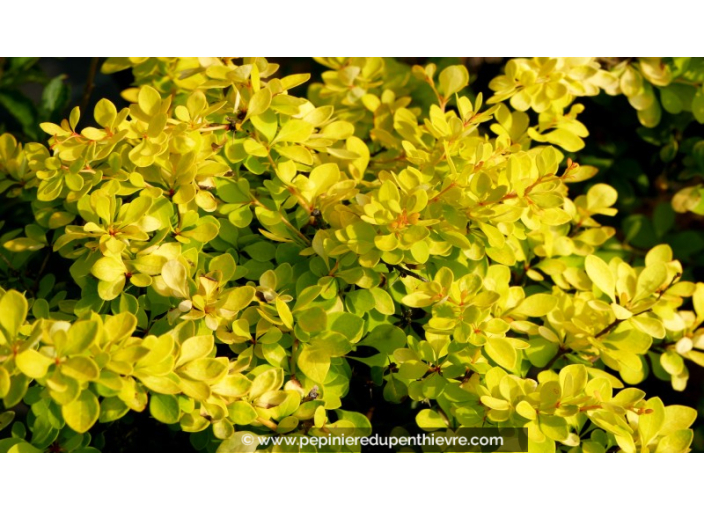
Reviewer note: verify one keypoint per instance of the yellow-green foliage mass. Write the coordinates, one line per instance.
(236, 248)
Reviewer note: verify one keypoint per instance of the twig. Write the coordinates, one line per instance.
(7, 262)
(402, 271)
(267, 423)
(441, 193)
(41, 269)
(608, 329)
(615, 323)
(534, 370)
(90, 84)
(284, 220)
(292, 365)
(215, 127)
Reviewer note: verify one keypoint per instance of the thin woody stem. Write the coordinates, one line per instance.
(7, 262)
(402, 271)
(615, 323)
(90, 84)
(442, 192)
(284, 220)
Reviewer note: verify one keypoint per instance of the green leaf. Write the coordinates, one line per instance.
(652, 420)
(74, 117)
(20, 244)
(383, 302)
(16, 390)
(55, 97)
(671, 101)
(498, 404)
(14, 311)
(601, 196)
(82, 413)
(240, 298)
(541, 351)
(284, 313)
(205, 231)
(108, 269)
(360, 301)
(224, 263)
(573, 380)
(452, 79)
(24, 447)
(314, 362)
(236, 444)
(600, 273)
(105, 112)
(378, 360)
(242, 413)
(649, 280)
(501, 351)
(649, 326)
(698, 106)
(526, 410)
(164, 408)
(395, 391)
(176, 278)
(418, 300)
(195, 347)
(554, 427)
(536, 305)
(313, 319)
(235, 385)
(676, 442)
(672, 362)
(205, 369)
(6, 418)
(338, 130)
(266, 124)
(149, 100)
(361, 423)
(23, 110)
(429, 419)
(385, 338)
(677, 418)
(296, 153)
(241, 217)
(5, 382)
(413, 370)
(262, 251)
(350, 325)
(324, 177)
(81, 368)
(259, 103)
(565, 139)
(268, 380)
(307, 296)
(112, 409)
(80, 337)
(295, 131)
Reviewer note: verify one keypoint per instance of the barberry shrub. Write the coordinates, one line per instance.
(225, 255)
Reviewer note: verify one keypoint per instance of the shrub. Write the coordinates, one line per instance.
(230, 255)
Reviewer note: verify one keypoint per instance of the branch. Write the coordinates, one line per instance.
(615, 323)
(90, 84)
(402, 271)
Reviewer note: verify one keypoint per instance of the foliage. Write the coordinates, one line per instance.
(15, 73)
(235, 252)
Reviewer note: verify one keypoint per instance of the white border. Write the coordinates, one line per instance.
(296, 27)
(525, 481)
(80, 28)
